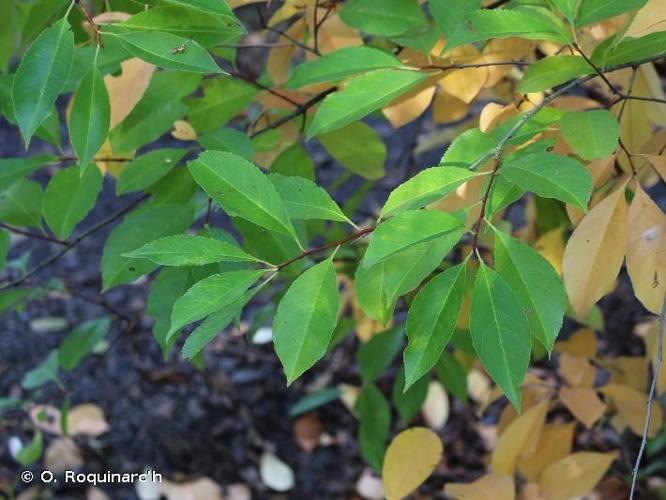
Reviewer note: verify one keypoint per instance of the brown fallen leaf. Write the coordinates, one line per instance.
(307, 431)
(61, 455)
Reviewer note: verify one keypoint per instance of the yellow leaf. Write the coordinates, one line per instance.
(583, 403)
(447, 109)
(127, 89)
(583, 343)
(646, 250)
(504, 49)
(631, 407)
(551, 247)
(409, 107)
(628, 370)
(183, 131)
(577, 371)
(87, 419)
(554, 443)
(488, 487)
(334, 34)
(659, 164)
(649, 19)
(574, 475)
(279, 58)
(601, 170)
(494, 114)
(436, 406)
(465, 84)
(593, 256)
(519, 439)
(410, 459)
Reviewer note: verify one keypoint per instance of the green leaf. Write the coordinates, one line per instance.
(168, 51)
(406, 230)
(212, 326)
(139, 228)
(202, 27)
(424, 188)
(147, 169)
(169, 285)
(502, 23)
(242, 190)
(500, 332)
(408, 402)
(21, 203)
(228, 139)
(5, 242)
(81, 341)
(155, 113)
(431, 320)
(305, 200)
(592, 134)
(591, 11)
(358, 147)
(552, 71)
(466, 148)
(340, 64)
(390, 17)
(378, 353)
(551, 176)
(45, 372)
(537, 285)
(452, 375)
(302, 329)
(374, 425)
(12, 169)
(295, 162)
(41, 75)
(223, 98)
(90, 117)
(186, 250)
(31, 452)
(567, 7)
(213, 6)
(361, 96)
(449, 15)
(632, 49)
(210, 295)
(314, 400)
(69, 197)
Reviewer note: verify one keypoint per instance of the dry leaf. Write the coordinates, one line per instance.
(646, 250)
(46, 418)
(88, 420)
(279, 58)
(436, 406)
(199, 489)
(447, 109)
(593, 256)
(307, 431)
(649, 19)
(349, 395)
(275, 474)
(95, 493)
(464, 84)
(574, 475)
(410, 459)
(519, 439)
(409, 107)
(493, 115)
(601, 170)
(659, 164)
(237, 491)
(631, 407)
(478, 386)
(61, 455)
(583, 343)
(583, 403)
(183, 131)
(488, 487)
(127, 89)
(555, 442)
(577, 371)
(628, 370)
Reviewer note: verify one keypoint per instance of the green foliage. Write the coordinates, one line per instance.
(370, 248)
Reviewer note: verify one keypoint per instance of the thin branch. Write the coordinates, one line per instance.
(597, 70)
(484, 202)
(643, 98)
(625, 97)
(327, 246)
(30, 234)
(108, 160)
(475, 65)
(261, 86)
(265, 26)
(651, 396)
(93, 25)
(266, 45)
(72, 244)
(301, 109)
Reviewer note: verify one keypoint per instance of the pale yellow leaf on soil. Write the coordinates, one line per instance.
(583, 403)
(576, 370)
(519, 439)
(488, 487)
(646, 250)
(410, 459)
(575, 475)
(555, 443)
(583, 343)
(87, 419)
(628, 370)
(632, 408)
(594, 253)
(436, 406)
(199, 489)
